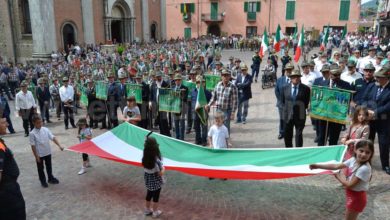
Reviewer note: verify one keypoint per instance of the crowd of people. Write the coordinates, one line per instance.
(55, 86)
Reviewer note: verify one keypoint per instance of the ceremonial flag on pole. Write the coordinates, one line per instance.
(125, 144)
(325, 39)
(201, 102)
(278, 38)
(344, 32)
(264, 44)
(298, 51)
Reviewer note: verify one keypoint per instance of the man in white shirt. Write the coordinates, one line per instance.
(351, 75)
(313, 70)
(307, 76)
(26, 107)
(67, 95)
(367, 59)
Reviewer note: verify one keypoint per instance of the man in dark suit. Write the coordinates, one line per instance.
(360, 85)
(179, 118)
(92, 102)
(145, 100)
(43, 96)
(243, 84)
(5, 112)
(113, 98)
(377, 100)
(122, 90)
(280, 83)
(327, 129)
(325, 70)
(295, 99)
(162, 116)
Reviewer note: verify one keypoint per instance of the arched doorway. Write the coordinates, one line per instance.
(214, 29)
(68, 36)
(117, 32)
(153, 30)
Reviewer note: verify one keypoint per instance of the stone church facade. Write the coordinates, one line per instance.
(32, 29)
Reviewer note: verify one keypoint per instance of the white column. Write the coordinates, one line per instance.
(163, 22)
(145, 20)
(43, 28)
(89, 32)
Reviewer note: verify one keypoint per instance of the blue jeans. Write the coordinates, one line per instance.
(179, 128)
(227, 113)
(255, 72)
(241, 116)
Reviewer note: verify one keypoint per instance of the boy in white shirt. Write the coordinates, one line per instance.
(218, 134)
(40, 138)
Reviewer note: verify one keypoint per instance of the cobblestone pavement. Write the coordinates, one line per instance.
(111, 190)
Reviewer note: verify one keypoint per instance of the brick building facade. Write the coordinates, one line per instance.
(32, 29)
(247, 18)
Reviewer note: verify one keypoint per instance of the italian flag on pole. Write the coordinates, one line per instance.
(201, 102)
(298, 51)
(124, 144)
(325, 39)
(264, 44)
(278, 38)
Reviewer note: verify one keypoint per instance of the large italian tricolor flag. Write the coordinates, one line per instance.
(298, 51)
(124, 144)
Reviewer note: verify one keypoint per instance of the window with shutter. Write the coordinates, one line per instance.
(258, 6)
(182, 8)
(344, 10)
(290, 10)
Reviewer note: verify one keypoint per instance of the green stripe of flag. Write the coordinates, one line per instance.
(186, 152)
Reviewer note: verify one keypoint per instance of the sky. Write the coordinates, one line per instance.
(364, 1)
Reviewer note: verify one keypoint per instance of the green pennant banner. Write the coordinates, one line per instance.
(211, 81)
(101, 89)
(83, 97)
(134, 90)
(330, 104)
(169, 100)
(191, 86)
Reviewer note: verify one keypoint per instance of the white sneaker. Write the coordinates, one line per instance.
(157, 213)
(82, 171)
(148, 212)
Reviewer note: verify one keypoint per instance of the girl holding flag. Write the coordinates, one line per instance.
(154, 171)
(358, 176)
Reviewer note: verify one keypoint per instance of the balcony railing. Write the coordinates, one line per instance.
(251, 16)
(207, 17)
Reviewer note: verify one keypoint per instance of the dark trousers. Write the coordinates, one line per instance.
(57, 106)
(144, 115)
(384, 146)
(11, 201)
(68, 115)
(289, 130)
(27, 119)
(200, 131)
(10, 127)
(112, 107)
(4, 88)
(371, 136)
(41, 173)
(333, 133)
(44, 108)
(12, 86)
(163, 123)
(179, 128)
(281, 121)
(189, 118)
(255, 72)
